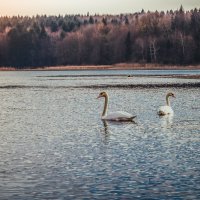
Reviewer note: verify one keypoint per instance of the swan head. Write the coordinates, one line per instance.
(171, 94)
(102, 94)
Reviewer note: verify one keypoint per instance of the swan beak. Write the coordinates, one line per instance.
(174, 96)
(98, 97)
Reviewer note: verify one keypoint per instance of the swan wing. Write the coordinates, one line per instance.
(119, 116)
(165, 110)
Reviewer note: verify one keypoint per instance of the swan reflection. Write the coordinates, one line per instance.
(106, 132)
(166, 121)
(108, 125)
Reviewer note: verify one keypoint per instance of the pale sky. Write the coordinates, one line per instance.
(56, 7)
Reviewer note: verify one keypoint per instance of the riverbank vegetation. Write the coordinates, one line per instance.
(166, 38)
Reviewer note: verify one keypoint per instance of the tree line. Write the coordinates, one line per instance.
(171, 37)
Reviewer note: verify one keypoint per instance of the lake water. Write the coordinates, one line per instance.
(53, 144)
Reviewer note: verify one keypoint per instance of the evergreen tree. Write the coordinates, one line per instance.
(128, 50)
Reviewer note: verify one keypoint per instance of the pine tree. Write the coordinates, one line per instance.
(128, 50)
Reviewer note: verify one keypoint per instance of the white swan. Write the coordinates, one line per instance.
(115, 116)
(166, 110)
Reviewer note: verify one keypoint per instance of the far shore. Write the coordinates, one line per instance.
(121, 66)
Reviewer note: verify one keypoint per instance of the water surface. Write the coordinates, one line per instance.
(53, 144)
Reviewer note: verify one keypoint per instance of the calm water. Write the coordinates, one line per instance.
(53, 144)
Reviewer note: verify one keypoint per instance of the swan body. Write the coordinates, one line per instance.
(114, 116)
(118, 116)
(167, 109)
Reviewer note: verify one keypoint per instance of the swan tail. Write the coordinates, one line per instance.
(132, 118)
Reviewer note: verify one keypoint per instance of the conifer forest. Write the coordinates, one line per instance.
(170, 38)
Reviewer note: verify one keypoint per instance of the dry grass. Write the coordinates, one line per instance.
(7, 69)
(119, 66)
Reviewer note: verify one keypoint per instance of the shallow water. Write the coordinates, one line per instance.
(53, 144)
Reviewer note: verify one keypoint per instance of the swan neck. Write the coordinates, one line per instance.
(105, 106)
(167, 100)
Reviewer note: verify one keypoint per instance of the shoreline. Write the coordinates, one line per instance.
(120, 66)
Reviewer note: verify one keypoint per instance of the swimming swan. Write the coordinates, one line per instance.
(166, 110)
(115, 116)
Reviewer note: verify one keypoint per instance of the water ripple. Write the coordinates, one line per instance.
(53, 144)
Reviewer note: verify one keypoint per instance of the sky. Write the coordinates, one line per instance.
(56, 7)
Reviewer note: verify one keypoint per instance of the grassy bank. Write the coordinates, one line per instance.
(120, 66)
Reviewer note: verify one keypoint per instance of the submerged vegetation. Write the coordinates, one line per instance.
(170, 37)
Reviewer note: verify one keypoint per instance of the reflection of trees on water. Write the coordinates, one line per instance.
(166, 121)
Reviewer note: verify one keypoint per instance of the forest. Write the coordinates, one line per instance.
(171, 37)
